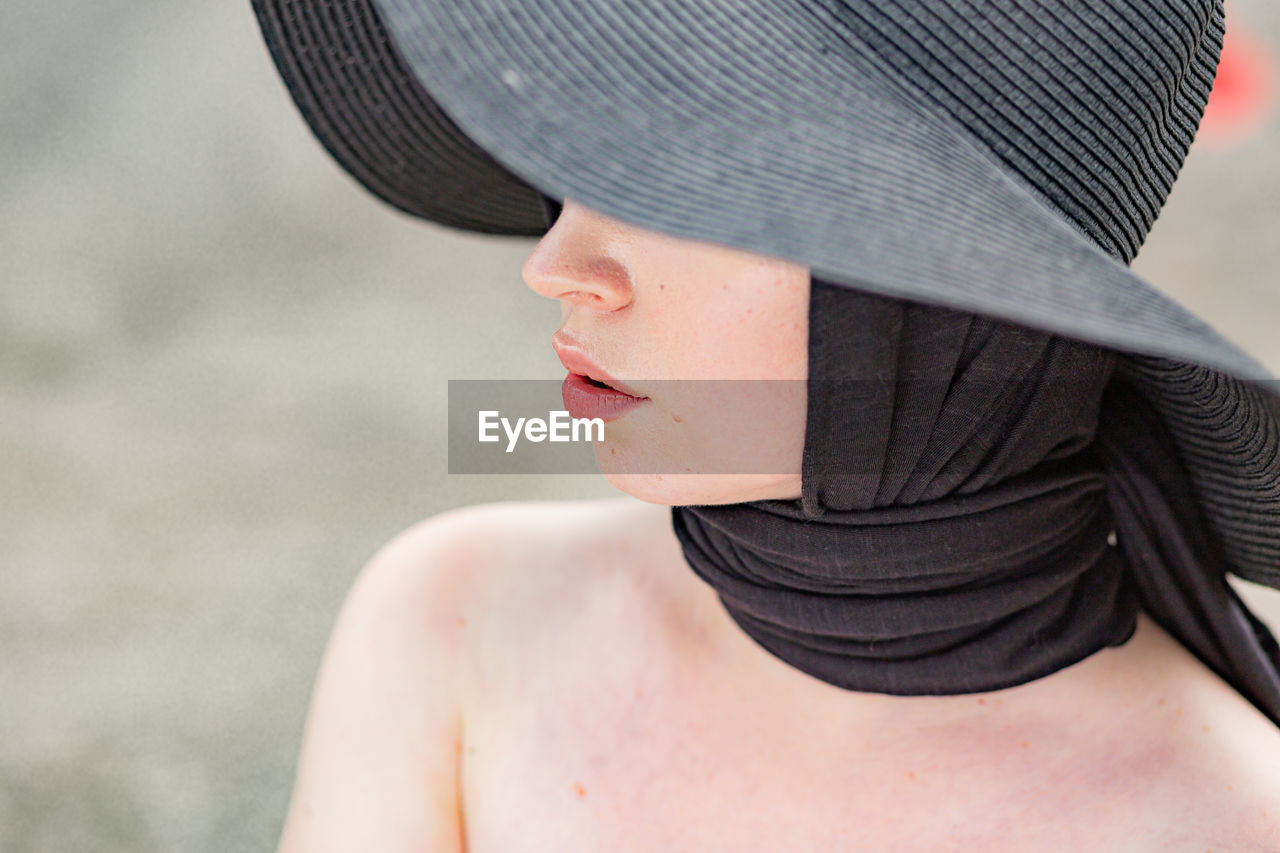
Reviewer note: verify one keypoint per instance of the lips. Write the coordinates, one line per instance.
(588, 391)
(584, 400)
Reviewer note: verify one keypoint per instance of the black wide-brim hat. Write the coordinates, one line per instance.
(1006, 160)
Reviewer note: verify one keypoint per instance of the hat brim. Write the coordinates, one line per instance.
(370, 112)
(462, 112)
(465, 108)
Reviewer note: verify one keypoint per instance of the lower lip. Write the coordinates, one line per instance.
(584, 400)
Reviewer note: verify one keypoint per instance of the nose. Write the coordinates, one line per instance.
(576, 262)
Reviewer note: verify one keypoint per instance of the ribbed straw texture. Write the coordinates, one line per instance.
(666, 115)
(1228, 434)
(1092, 104)
(375, 119)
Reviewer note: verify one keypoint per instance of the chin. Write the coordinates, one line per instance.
(702, 458)
(704, 489)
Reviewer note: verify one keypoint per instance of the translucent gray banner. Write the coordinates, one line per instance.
(676, 427)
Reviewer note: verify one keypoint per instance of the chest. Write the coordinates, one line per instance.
(613, 751)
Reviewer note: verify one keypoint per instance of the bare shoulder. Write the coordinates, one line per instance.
(487, 549)
(381, 754)
(1206, 760)
(504, 571)
(1230, 762)
(1224, 772)
(546, 524)
(474, 555)
(528, 569)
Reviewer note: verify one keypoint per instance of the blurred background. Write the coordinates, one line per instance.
(222, 382)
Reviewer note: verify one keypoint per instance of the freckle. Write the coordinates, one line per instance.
(639, 692)
(462, 621)
(724, 287)
(1206, 728)
(677, 419)
(1024, 744)
(1161, 702)
(579, 790)
(911, 774)
(1231, 787)
(613, 451)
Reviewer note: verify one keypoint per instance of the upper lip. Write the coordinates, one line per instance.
(577, 361)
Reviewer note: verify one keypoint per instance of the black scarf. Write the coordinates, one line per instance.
(964, 524)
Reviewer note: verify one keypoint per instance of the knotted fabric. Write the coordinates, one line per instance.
(953, 529)
(1176, 563)
(982, 505)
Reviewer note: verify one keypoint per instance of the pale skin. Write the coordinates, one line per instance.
(554, 677)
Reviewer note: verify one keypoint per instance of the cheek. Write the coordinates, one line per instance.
(759, 331)
(739, 426)
(732, 427)
(710, 442)
(712, 426)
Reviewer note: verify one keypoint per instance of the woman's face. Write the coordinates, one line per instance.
(669, 320)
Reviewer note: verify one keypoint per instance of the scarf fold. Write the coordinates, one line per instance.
(964, 523)
(1176, 564)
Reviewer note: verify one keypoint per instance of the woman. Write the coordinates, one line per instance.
(958, 581)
